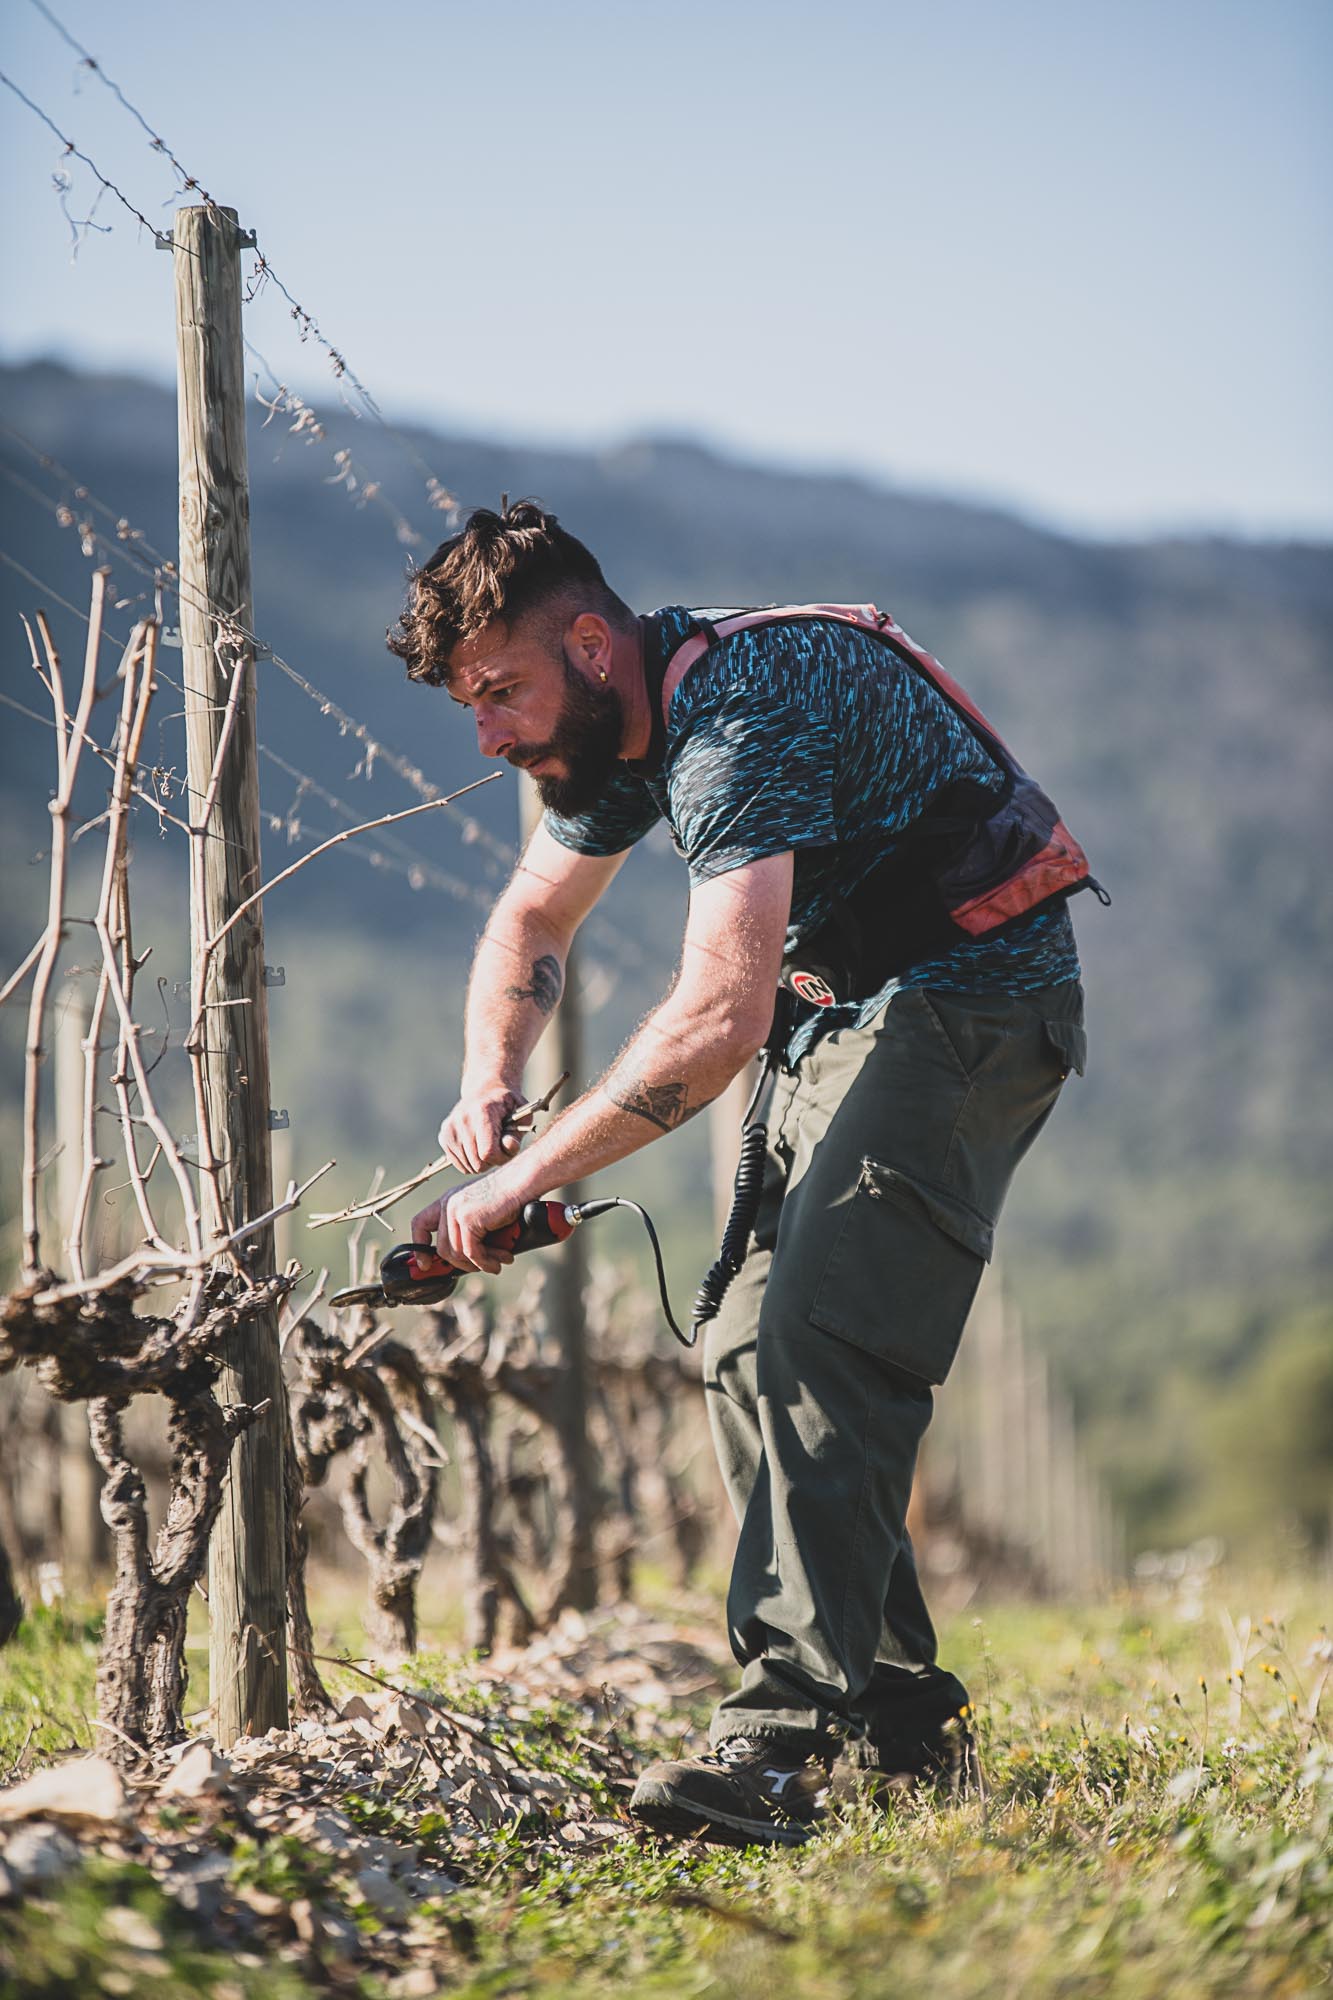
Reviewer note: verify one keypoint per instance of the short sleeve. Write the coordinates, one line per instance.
(751, 779)
(622, 815)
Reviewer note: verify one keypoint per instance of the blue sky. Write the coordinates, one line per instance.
(1070, 257)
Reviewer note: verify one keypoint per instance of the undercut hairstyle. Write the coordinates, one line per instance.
(499, 566)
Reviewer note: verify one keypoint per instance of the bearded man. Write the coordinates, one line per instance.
(852, 827)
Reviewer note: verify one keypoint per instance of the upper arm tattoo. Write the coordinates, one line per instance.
(665, 1105)
(547, 984)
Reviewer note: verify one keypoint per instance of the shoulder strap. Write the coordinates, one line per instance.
(864, 616)
(693, 649)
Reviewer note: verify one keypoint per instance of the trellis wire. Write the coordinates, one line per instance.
(418, 868)
(437, 495)
(131, 545)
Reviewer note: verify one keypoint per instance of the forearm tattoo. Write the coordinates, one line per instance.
(548, 983)
(665, 1105)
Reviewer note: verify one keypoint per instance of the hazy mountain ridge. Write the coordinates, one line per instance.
(1174, 696)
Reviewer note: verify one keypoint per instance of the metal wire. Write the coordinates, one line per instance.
(387, 851)
(420, 871)
(93, 168)
(129, 540)
(132, 547)
(349, 474)
(308, 327)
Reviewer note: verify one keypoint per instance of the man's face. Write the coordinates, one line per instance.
(537, 709)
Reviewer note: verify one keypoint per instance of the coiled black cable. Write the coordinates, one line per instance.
(747, 1191)
(748, 1187)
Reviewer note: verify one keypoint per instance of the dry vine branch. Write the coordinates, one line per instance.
(81, 1335)
(336, 840)
(354, 1385)
(20, 972)
(448, 1340)
(340, 1405)
(143, 1267)
(348, 833)
(96, 1349)
(68, 752)
(113, 922)
(310, 1696)
(374, 1204)
(134, 717)
(520, 1119)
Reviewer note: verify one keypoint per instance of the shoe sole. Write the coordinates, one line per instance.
(667, 1812)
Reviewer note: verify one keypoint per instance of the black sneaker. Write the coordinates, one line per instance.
(748, 1789)
(945, 1764)
(923, 1743)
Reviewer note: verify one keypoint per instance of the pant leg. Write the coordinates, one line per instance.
(730, 1364)
(906, 1136)
(908, 1637)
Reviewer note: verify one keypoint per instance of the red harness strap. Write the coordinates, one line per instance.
(1048, 868)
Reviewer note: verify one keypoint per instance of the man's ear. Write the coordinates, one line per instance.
(589, 641)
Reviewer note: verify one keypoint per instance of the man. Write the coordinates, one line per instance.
(848, 818)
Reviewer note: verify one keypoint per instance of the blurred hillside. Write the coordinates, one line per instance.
(1172, 1240)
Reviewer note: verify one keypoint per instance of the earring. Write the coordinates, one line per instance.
(602, 674)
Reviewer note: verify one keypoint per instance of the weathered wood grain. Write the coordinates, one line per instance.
(247, 1559)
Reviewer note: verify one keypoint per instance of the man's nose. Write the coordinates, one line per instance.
(494, 738)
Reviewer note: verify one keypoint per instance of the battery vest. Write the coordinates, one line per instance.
(973, 863)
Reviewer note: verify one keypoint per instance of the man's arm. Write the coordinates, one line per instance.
(518, 975)
(715, 1018)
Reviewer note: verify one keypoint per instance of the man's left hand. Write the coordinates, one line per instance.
(459, 1220)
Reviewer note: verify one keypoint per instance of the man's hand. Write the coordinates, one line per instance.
(516, 981)
(715, 1017)
(458, 1221)
(472, 1137)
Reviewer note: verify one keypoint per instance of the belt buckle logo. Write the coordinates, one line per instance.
(809, 986)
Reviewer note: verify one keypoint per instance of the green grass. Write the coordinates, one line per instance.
(113, 1932)
(1158, 1822)
(47, 1682)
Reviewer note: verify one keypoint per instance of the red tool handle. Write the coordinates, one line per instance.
(541, 1224)
(415, 1273)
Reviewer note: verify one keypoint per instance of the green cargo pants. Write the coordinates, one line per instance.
(891, 1150)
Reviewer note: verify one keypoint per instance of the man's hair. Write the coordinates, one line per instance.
(499, 566)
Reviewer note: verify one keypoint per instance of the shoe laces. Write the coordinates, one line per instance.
(736, 1750)
(752, 1749)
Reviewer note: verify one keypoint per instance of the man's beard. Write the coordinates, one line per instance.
(586, 739)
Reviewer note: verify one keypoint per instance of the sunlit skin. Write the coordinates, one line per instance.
(713, 1020)
(516, 688)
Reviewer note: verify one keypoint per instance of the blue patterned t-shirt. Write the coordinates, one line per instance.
(815, 737)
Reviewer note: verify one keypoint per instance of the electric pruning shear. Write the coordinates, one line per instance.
(415, 1274)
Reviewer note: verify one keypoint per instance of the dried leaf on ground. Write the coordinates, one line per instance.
(80, 1789)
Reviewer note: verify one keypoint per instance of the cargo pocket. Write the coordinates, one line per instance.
(902, 1275)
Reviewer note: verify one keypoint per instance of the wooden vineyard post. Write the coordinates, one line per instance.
(560, 1049)
(247, 1552)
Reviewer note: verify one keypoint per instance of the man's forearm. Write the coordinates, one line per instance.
(518, 976)
(688, 1050)
(677, 1063)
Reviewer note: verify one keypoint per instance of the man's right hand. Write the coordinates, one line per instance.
(472, 1137)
